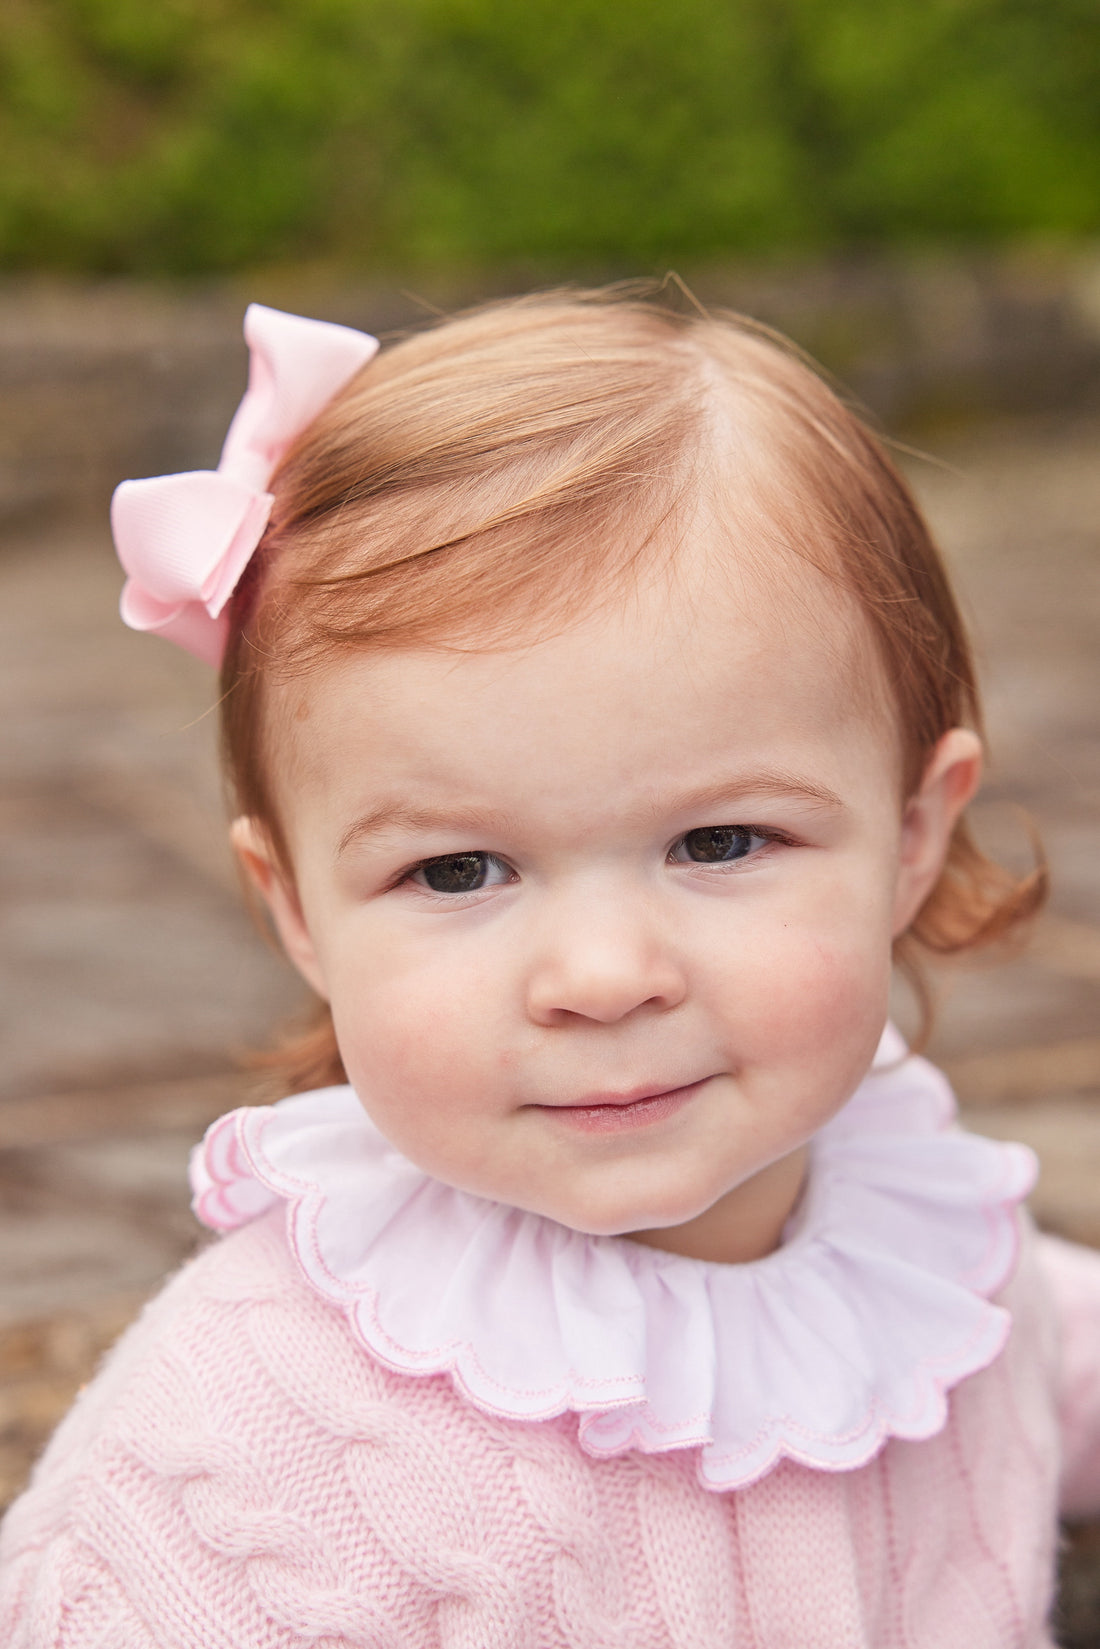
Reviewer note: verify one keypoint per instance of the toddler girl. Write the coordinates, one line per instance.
(600, 726)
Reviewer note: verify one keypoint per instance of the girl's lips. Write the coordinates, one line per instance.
(599, 1116)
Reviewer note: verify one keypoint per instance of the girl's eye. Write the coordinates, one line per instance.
(461, 873)
(717, 844)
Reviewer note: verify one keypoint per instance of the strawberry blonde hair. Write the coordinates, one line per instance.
(494, 476)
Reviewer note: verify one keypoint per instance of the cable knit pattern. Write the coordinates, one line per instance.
(242, 1476)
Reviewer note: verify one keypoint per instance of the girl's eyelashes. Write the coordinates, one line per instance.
(460, 873)
(719, 844)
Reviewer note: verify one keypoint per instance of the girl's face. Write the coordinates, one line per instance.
(605, 921)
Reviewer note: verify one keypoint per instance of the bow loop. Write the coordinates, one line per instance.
(183, 537)
(186, 539)
(295, 367)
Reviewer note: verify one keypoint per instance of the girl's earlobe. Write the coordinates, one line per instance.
(252, 846)
(950, 781)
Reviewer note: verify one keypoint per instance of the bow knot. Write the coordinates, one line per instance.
(185, 540)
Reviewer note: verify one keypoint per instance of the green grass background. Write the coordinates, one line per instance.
(197, 136)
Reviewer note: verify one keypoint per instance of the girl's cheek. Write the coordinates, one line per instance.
(813, 991)
(411, 1026)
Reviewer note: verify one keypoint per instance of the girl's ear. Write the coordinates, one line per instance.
(950, 780)
(253, 848)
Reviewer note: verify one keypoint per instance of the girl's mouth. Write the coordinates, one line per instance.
(613, 1114)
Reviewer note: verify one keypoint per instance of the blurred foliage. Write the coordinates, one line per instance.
(192, 135)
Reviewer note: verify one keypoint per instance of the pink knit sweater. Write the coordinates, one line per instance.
(241, 1475)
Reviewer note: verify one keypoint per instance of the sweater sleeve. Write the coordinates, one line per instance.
(1072, 1274)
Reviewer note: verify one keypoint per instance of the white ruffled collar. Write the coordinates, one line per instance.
(853, 1331)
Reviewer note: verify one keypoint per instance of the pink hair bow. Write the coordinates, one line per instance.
(186, 539)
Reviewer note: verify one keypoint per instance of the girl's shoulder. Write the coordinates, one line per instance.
(238, 1463)
(234, 1327)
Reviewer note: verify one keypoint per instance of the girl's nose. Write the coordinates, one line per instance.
(600, 961)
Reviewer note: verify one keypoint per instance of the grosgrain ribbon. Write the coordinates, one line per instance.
(185, 540)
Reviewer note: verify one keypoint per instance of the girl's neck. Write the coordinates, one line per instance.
(746, 1224)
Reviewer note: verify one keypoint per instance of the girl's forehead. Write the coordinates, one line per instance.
(700, 640)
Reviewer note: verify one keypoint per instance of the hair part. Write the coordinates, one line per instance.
(492, 478)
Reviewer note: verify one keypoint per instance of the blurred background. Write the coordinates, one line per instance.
(911, 190)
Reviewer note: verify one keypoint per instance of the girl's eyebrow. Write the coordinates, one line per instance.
(764, 784)
(399, 818)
